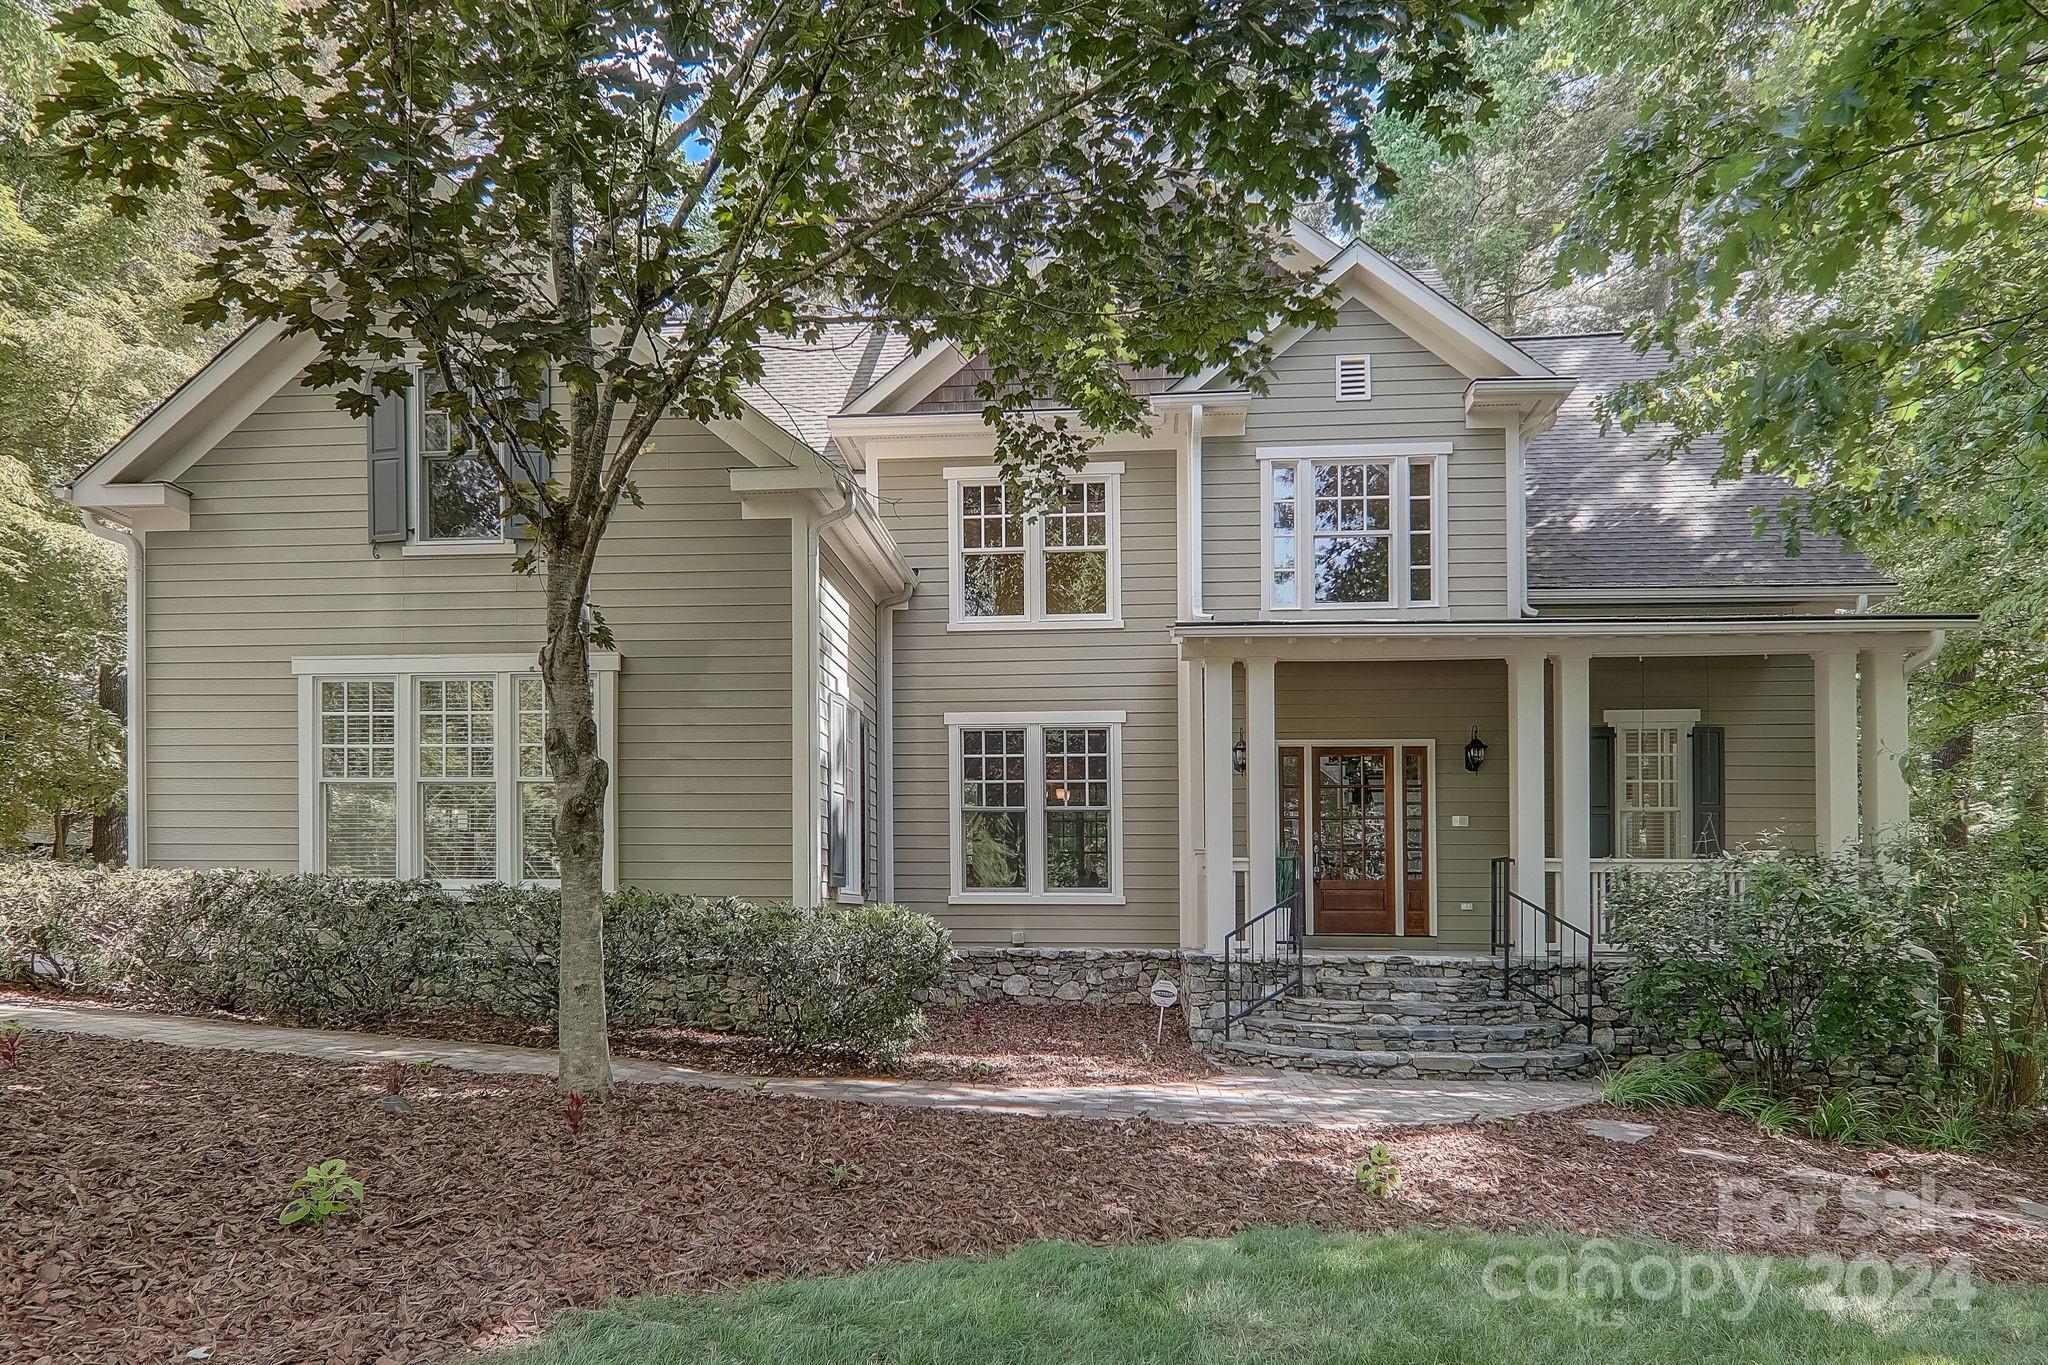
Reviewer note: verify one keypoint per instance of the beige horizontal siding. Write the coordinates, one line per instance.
(1414, 395)
(848, 667)
(277, 565)
(1133, 669)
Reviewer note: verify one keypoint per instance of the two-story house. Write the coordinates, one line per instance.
(1407, 620)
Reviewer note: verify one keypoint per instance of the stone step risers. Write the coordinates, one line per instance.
(1323, 1009)
(1559, 1063)
(1384, 1038)
(1331, 986)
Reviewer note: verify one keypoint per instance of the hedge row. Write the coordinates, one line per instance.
(347, 952)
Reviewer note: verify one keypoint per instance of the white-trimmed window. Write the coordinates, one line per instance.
(434, 766)
(1055, 570)
(846, 843)
(456, 496)
(1037, 807)
(1357, 527)
(1652, 782)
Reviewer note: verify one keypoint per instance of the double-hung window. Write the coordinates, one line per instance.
(1357, 527)
(1055, 569)
(457, 492)
(1652, 782)
(428, 766)
(1037, 807)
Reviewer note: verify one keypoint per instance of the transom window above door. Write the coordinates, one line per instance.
(1055, 570)
(1353, 527)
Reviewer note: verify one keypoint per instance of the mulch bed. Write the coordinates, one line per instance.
(970, 1044)
(139, 1188)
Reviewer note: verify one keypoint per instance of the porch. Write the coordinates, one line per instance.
(1594, 746)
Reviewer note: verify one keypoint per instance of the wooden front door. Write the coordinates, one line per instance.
(1353, 862)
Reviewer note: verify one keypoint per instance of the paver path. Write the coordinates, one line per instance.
(1237, 1097)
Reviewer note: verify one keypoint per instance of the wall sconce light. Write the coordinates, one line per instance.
(1475, 751)
(1237, 754)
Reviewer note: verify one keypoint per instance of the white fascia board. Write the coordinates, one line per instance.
(911, 379)
(182, 429)
(1537, 632)
(964, 434)
(1362, 274)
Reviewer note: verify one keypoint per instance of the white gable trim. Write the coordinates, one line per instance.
(912, 379)
(1366, 276)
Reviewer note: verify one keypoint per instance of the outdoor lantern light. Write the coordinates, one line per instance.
(1237, 753)
(1475, 751)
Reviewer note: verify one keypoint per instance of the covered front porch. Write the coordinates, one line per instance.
(1397, 766)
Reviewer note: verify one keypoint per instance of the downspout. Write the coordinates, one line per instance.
(1921, 658)
(132, 545)
(885, 702)
(1195, 512)
(811, 891)
(1518, 522)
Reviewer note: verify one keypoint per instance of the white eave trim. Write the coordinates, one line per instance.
(1585, 628)
(912, 378)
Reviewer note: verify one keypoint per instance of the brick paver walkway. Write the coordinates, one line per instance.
(1237, 1097)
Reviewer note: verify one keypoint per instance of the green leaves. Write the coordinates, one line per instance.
(326, 1189)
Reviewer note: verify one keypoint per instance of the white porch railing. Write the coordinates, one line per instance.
(1605, 870)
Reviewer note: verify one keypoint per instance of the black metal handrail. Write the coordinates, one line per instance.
(1262, 956)
(1542, 958)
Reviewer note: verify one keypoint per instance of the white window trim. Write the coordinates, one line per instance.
(417, 541)
(1109, 472)
(843, 735)
(404, 671)
(1681, 719)
(1337, 376)
(1034, 724)
(1397, 455)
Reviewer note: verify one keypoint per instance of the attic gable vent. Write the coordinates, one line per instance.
(1354, 378)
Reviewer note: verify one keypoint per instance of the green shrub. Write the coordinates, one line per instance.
(1690, 1078)
(354, 952)
(834, 978)
(1812, 964)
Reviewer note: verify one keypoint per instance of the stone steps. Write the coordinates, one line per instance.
(1523, 1037)
(1323, 1009)
(1558, 1063)
(1334, 987)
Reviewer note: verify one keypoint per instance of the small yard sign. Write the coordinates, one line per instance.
(1165, 995)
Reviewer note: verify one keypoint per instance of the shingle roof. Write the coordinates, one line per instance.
(805, 382)
(1606, 511)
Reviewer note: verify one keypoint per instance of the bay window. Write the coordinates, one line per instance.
(433, 766)
(1037, 807)
(1356, 526)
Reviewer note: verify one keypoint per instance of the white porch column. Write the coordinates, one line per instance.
(1834, 749)
(1525, 773)
(1886, 802)
(1220, 876)
(1571, 690)
(1262, 785)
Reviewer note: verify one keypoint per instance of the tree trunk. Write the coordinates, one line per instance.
(583, 1051)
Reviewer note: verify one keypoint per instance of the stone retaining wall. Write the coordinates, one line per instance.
(1057, 976)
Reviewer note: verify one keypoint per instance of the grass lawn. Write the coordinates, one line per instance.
(1296, 1296)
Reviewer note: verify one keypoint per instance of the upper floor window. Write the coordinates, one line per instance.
(457, 492)
(1057, 569)
(1353, 530)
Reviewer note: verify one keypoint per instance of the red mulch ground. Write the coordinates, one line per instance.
(139, 1187)
(975, 1044)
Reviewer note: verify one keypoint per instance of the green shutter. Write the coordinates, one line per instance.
(1600, 789)
(530, 463)
(1709, 790)
(389, 505)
